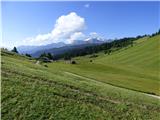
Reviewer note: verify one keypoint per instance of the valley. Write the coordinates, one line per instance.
(120, 85)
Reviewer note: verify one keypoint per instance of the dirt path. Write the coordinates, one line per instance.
(76, 75)
(155, 96)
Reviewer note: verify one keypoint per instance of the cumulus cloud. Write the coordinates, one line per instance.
(76, 36)
(66, 29)
(68, 25)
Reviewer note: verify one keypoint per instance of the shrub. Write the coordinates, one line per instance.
(73, 62)
(45, 65)
(28, 55)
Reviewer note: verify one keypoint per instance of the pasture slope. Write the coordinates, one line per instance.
(105, 89)
(136, 68)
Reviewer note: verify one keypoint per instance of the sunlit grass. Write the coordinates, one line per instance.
(31, 91)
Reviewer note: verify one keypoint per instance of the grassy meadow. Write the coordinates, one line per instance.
(135, 68)
(111, 87)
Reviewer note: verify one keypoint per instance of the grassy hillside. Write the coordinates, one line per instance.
(70, 92)
(135, 68)
(144, 54)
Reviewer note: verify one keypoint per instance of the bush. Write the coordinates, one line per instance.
(45, 65)
(73, 62)
(91, 61)
(28, 55)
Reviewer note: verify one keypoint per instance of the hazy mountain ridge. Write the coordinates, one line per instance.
(58, 48)
(32, 49)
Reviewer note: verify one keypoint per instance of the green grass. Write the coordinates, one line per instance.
(144, 54)
(31, 91)
(134, 67)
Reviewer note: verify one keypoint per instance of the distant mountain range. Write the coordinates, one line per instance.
(33, 49)
(58, 48)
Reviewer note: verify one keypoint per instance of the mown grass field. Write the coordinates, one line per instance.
(105, 89)
(135, 68)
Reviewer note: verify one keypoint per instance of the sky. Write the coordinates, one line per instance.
(40, 23)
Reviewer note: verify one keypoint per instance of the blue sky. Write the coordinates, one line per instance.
(22, 21)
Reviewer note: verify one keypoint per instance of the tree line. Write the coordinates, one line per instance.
(106, 47)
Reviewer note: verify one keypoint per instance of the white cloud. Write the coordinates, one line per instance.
(94, 35)
(87, 5)
(76, 36)
(68, 25)
(66, 29)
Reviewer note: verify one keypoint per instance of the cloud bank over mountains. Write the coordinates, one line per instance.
(67, 29)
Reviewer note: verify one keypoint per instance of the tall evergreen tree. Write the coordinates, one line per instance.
(159, 31)
(50, 56)
(14, 50)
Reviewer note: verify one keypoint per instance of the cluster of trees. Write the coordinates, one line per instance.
(47, 55)
(16, 51)
(106, 47)
(154, 34)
